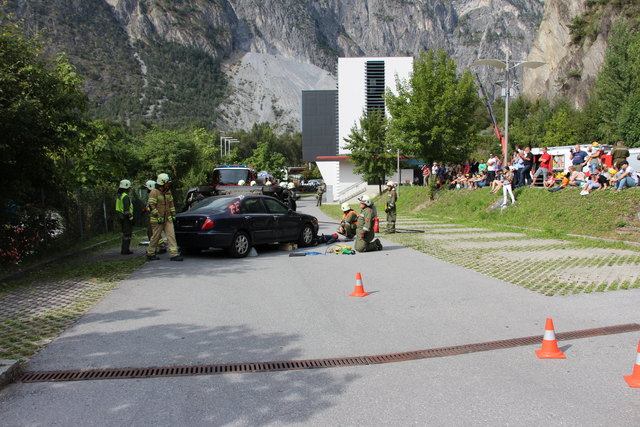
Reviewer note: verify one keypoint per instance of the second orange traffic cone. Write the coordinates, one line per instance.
(550, 348)
(358, 290)
(634, 379)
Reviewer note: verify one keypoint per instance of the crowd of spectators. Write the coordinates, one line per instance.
(588, 171)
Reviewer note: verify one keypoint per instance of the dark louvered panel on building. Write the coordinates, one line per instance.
(374, 80)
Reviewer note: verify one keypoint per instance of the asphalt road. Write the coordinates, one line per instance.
(214, 309)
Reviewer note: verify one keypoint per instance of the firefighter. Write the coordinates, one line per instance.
(124, 207)
(364, 230)
(321, 190)
(292, 196)
(349, 222)
(162, 244)
(163, 213)
(390, 206)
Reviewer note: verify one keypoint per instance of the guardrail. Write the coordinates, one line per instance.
(352, 191)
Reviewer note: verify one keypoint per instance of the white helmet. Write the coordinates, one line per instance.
(125, 184)
(267, 184)
(150, 185)
(391, 184)
(252, 183)
(163, 178)
(366, 200)
(242, 182)
(283, 184)
(345, 207)
(291, 186)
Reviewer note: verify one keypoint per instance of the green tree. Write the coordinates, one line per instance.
(559, 131)
(372, 153)
(265, 158)
(42, 116)
(168, 151)
(618, 82)
(433, 113)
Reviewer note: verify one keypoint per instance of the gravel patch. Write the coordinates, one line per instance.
(477, 236)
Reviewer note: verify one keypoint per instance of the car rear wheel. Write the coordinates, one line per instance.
(240, 245)
(306, 236)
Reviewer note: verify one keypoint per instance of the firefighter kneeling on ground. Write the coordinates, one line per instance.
(364, 232)
(162, 244)
(349, 222)
(163, 213)
(124, 207)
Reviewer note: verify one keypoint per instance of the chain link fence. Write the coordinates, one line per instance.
(34, 228)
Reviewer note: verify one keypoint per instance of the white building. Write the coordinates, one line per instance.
(361, 85)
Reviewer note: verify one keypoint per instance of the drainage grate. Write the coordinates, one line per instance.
(291, 365)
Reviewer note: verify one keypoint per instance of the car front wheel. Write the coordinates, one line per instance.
(306, 236)
(240, 245)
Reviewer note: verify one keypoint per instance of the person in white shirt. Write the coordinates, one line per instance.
(626, 177)
(491, 168)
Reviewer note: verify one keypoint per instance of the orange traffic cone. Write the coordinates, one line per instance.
(376, 225)
(634, 379)
(358, 290)
(550, 348)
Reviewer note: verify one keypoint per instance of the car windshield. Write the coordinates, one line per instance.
(230, 176)
(215, 203)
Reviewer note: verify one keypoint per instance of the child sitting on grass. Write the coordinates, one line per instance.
(564, 184)
(550, 182)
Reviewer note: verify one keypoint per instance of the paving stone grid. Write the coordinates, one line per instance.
(32, 316)
(548, 266)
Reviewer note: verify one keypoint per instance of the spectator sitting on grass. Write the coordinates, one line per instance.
(596, 181)
(496, 184)
(550, 182)
(626, 177)
(478, 181)
(576, 178)
(564, 184)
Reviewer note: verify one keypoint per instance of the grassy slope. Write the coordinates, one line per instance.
(598, 214)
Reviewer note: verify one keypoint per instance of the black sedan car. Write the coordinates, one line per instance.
(237, 222)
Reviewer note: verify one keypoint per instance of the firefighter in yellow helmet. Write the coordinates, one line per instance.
(124, 208)
(349, 221)
(150, 185)
(163, 213)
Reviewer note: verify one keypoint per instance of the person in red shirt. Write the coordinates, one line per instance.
(545, 160)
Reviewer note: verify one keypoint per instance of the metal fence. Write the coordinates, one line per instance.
(51, 221)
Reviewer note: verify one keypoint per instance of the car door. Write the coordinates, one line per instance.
(259, 222)
(286, 224)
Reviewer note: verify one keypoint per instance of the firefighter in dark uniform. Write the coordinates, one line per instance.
(291, 187)
(349, 222)
(364, 231)
(390, 206)
(124, 208)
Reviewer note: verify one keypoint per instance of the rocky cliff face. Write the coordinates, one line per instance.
(571, 65)
(269, 50)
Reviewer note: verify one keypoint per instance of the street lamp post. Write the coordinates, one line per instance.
(507, 65)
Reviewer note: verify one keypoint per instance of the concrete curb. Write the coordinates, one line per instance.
(9, 371)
